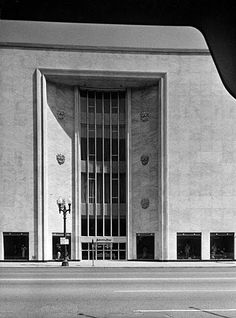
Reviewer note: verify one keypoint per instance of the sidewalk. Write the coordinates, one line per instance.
(124, 264)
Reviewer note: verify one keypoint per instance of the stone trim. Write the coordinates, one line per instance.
(97, 49)
(133, 79)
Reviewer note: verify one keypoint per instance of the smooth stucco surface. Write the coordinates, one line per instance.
(101, 35)
(200, 145)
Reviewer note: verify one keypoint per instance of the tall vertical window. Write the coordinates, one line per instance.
(103, 163)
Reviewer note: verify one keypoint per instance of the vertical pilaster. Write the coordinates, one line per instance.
(1, 247)
(205, 246)
(131, 249)
(39, 224)
(234, 246)
(76, 179)
(46, 246)
(163, 170)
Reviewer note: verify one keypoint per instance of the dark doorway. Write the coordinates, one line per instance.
(222, 245)
(145, 246)
(16, 246)
(188, 245)
(58, 250)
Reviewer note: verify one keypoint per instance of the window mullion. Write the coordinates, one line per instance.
(95, 163)
(111, 164)
(118, 162)
(103, 172)
(87, 166)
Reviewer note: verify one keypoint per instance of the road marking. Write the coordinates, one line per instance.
(184, 310)
(176, 291)
(158, 279)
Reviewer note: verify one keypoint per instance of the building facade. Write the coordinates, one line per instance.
(141, 138)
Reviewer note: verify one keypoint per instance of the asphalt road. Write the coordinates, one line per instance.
(117, 292)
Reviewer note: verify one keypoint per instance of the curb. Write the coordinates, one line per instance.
(122, 264)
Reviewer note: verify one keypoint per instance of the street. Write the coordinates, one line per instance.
(117, 292)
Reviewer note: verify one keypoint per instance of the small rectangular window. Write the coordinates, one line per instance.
(122, 102)
(107, 103)
(114, 226)
(123, 226)
(99, 188)
(99, 226)
(106, 149)
(114, 146)
(107, 187)
(84, 225)
(99, 149)
(91, 109)
(98, 102)
(91, 99)
(114, 188)
(107, 226)
(83, 101)
(91, 225)
(107, 131)
(91, 127)
(84, 246)
(122, 188)
(91, 191)
(83, 187)
(91, 146)
(122, 150)
(83, 149)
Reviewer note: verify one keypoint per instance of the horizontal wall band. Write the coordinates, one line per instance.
(97, 49)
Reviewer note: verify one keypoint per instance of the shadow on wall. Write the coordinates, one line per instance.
(60, 99)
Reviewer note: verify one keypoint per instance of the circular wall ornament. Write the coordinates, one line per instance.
(144, 116)
(60, 114)
(60, 158)
(145, 203)
(145, 159)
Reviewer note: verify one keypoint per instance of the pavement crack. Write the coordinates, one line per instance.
(210, 312)
(85, 315)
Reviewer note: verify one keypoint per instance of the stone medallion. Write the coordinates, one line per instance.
(144, 159)
(60, 158)
(60, 114)
(145, 203)
(144, 116)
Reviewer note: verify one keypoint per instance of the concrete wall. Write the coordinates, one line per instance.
(59, 140)
(145, 183)
(201, 145)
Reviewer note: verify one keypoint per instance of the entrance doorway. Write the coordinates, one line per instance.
(145, 246)
(58, 250)
(16, 245)
(104, 251)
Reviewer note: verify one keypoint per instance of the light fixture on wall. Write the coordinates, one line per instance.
(64, 207)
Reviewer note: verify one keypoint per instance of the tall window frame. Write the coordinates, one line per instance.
(102, 116)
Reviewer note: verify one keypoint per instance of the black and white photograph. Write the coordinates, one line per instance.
(118, 159)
